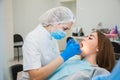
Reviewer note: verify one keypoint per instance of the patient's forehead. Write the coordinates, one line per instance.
(94, 34)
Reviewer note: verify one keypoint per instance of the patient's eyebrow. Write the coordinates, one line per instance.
(92, 35)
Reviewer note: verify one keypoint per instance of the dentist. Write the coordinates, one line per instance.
(41, 56)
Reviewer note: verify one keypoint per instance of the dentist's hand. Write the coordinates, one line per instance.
(72, 49)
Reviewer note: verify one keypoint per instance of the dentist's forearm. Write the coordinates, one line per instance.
(44, 72)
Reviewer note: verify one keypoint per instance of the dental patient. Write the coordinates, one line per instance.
(97, 58)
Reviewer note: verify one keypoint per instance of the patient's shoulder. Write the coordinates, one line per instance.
(100, 71)
(87, 74)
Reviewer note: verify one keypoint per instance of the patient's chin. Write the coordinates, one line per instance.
(83, 54)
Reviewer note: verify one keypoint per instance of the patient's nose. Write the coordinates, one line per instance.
(83, 38)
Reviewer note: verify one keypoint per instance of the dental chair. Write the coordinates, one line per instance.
(116, 49)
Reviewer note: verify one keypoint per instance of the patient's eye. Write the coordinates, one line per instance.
(90, 38)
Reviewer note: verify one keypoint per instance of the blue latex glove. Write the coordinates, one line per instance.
(72, 49)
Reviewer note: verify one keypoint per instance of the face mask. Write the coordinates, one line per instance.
(59, 34)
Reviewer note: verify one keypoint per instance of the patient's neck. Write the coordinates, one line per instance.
(91, 59)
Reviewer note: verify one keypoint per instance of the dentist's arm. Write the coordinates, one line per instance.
(43, 73)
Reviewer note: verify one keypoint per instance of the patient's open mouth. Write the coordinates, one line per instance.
(81, 45)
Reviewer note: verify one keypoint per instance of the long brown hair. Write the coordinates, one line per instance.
(105, 57)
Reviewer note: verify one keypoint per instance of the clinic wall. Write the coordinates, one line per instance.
(26, 15)
(91, 12)
(8, 27)
(27, 12)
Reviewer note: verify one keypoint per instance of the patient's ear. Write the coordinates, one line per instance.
(97, 49)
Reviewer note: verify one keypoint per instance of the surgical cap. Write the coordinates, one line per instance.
(57, 15)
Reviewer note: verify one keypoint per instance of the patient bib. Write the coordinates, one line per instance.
(70, 67)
